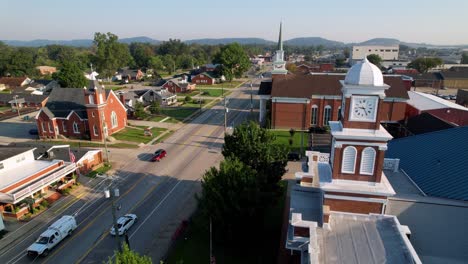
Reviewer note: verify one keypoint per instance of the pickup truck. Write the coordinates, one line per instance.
(52, 236)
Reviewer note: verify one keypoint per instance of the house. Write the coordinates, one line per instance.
(337, 207)
(23, 177)
(130, 75)
(14, 82)
(462, 97)
(147, 96)
(210, 67)
(306, 68)
(432, 192)
(23, 100)
(46, 70)
(179, 85)
(91, 113)
(42, 86)
(427, 103)
(204, 78)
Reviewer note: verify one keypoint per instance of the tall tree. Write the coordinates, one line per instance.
(423, 65)
(464, 59)
(70, 76)
(156, 63)
(234, 61)
(128, 256)
(255, 147)
(110, 54)
(231, 197)
(169, 63)
(375, 59)
(5, 52)
(141, 53)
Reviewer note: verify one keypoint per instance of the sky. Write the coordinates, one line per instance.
(435, 22)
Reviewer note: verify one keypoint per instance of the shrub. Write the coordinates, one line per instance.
(45, 204)
(187, 99)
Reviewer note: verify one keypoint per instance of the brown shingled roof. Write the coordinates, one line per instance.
(12, 82)
(304, 86)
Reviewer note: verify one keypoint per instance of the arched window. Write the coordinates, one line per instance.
(340, 116)
(114, 119)
(95, 130)
(367, 161)
(327, 115)
(76, 129)
(314, 115)
(91, 99)
(349, 160)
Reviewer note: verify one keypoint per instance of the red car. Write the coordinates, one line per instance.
(159, 154)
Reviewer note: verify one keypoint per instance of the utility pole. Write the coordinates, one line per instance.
(104, 131)
(112, 195)
(17, 106)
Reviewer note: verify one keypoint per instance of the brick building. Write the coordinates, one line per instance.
(90, 113)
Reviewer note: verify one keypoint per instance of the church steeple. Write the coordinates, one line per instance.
(280, 39)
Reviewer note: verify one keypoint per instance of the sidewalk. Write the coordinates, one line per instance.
(20, 230)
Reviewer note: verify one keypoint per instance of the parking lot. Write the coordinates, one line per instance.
(16, 129)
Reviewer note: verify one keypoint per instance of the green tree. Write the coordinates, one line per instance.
(155, 107)
(464, 59)
(375, 59)
(255, 147)
(141, 53)
(423, 65)
(234, 61)
(231, 197)
(21, 62)
(70, 76)
(156, 63)
(110, 54)
(128, 256)
(5, 52)
(169, 63)
(140, 111)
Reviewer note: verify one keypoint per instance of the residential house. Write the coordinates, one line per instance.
(210, 67)
(23, 100)
(24, 177)
(90, 113)
(204, 78)
(46, 70)
(427, 103)
(13, 83)
(148, 96)
(337, 207)
(40, 86)
(432, 192)
(179, 85)
(130, 75)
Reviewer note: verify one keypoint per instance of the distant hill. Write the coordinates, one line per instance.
(73, 42)
(313, 41)
(223, 41)
(380, 42)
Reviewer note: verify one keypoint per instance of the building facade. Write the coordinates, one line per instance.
(385, 52)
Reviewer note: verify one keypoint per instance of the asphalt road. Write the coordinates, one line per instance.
(161, 194)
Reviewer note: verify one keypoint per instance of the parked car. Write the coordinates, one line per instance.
(124, 223)
(294, 156)
(158, 155)
(52, 236)
(33, 131)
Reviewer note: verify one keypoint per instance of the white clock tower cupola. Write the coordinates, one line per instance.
(279, 65)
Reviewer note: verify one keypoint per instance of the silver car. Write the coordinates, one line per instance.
(124, 223)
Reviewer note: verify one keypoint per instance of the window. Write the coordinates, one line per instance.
(91, 99)
(43, 127)
(114, 119)
(64, 126)
(92, 114)
(50, 127)
(340, 115)
(327, 115)
(313, 115)
(367, 161)
(76, 129)
(349, 160)
(95, 130)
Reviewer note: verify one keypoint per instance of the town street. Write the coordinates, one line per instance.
(161, 193)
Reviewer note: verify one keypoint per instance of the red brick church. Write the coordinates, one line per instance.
(89, 113)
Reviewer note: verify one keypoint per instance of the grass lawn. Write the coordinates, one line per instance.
(5, 108)
(192, 93)
(136, 134)
(196, 105)
(115, 88)
(282, 138)
(6, 91)
(193, 246)
(232, 84)
(212, 92)
(101, 170)
(179, 113)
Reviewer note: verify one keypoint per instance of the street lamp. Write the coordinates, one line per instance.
(112, 195)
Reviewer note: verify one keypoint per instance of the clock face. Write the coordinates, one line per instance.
(364, 108)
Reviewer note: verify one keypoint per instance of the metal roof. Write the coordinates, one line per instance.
(437, 162)
(423, 101)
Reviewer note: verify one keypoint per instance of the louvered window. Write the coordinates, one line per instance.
(367, 161)
(313, 117)
(349, 160)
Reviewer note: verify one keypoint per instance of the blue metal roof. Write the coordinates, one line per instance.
(437, 162)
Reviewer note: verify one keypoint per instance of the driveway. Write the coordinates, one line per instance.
(16, 129)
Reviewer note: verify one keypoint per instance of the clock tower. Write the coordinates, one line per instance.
(279, 65)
